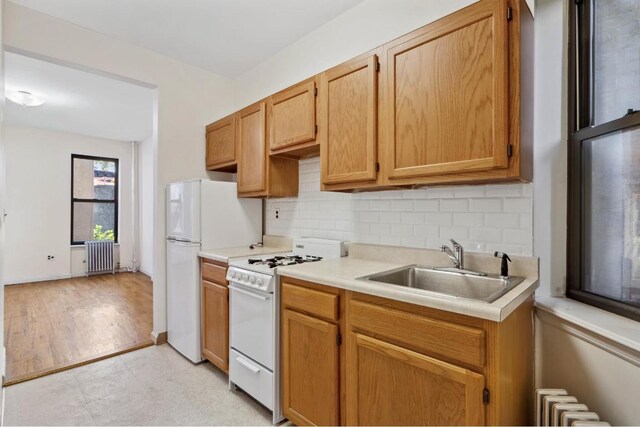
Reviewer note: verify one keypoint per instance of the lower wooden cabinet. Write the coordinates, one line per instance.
(355, 359)
(392, 385)
(309, 345)
(215, 315)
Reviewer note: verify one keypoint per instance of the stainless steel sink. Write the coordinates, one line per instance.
(451, 282)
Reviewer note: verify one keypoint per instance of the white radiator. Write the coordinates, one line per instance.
(99, 256)
(554, 407)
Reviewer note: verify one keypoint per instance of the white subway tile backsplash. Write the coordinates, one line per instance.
(501, 220)
(520, 204)
(412, 218)
(454, 205)
(405, 230)
(473, 219)
(485, 205)
(427, 205)
(482, 218)
(402, 205)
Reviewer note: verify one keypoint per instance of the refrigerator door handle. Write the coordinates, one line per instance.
(182, 242)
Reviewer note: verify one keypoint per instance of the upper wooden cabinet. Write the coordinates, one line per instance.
(292, 119)
(458, 105)
(252, 145)
(260, 175)
(348, 120)
(448, 103)
(221, 145)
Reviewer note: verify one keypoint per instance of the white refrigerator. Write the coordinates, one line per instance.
(201, 214)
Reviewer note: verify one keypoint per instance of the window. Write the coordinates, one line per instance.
(603, 241)
(94, 199)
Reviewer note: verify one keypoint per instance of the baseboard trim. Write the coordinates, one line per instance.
(159, 338)
(37, 279)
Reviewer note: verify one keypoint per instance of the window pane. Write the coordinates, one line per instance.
(94, 179)
(93, 221)
(616, 58)
(611, 198)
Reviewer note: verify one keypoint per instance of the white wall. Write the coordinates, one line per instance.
(145, 206)
(550, 147)
(2, 195)
(188, 98)
(38, 182)
(359, 29)
(483, 218)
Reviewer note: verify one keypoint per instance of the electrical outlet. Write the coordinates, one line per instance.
(277, 213)
(50, 257)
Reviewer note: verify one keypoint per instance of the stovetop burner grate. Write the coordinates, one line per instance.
(282, 260)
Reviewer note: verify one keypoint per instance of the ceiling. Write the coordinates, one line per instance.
(227, 37)
(77, 101)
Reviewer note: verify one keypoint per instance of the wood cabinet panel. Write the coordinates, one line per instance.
(458, 342)
(252, 163)
(391, 385)
(292, 116)
(310, 370)
(311, 301)
(215, 324)
(448, 95)
(214, 273)
(348, 109)
(221, 144)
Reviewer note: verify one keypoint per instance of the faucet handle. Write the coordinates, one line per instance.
(455, 244)
(443, 248)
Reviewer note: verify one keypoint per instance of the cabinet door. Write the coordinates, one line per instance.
(252, 165)
(215, 324)
(221, 143)
(447, 109)
(391, 385)
(292, 117)
(348, 108)
(310, 370)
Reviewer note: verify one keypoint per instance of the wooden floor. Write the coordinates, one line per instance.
(52, 326)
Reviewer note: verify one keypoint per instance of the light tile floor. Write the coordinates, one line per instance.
(152, 386)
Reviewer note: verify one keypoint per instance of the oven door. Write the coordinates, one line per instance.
(251, 323)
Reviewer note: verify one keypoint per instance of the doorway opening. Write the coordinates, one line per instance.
(79, 171)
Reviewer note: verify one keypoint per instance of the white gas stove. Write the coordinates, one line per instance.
(253, 317)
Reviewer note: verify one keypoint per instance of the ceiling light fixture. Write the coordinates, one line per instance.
(24, 98)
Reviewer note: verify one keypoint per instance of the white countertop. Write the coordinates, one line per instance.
(343, 273)
(224, 254)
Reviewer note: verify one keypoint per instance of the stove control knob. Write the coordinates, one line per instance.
(259, 282)
(252, 279)
(245, 277)
(232, 274)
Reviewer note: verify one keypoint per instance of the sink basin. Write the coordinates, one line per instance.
(450, 282)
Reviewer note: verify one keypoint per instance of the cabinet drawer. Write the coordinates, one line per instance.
(322, 304)
(252, 377)
(434, 336)
(214, 273)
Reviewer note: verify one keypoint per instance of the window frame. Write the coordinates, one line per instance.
(580, 129)
(115, 199)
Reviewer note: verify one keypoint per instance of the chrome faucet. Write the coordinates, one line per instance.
(456, 255)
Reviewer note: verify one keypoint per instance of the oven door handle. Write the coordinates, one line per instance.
(247, 365)
(251, 294)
